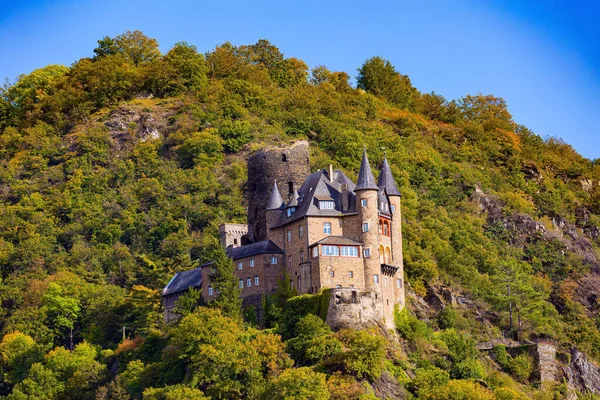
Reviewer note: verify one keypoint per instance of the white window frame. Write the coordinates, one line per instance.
(365, 227)
(326, 205)
(289, 235)
(327, 228)
(376, 278)
(315, 252)
(240, 265)
(332, 273)
(273, 260)
(351, 274)
(392, 208)
(256, 280)
(252, 262)
(210, 291)
(330, 251)
(349, 251)
(367, 253)
(301, 231)
(241, 283)
(363, 202)
(399, 283)
(248, 282)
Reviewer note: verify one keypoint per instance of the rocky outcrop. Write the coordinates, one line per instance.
(582, 375)
(387, 387)
(132, 123)
(352, 308)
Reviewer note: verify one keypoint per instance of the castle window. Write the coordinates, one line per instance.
(256, 281)
(380, 227)
(301, 231)
(252, 262)
(385, 280)
(301, 256)
(210, 291)
(349, 251)
(234, 241)
(327, 228)
(386, 229)
(367, 253)
(365, 227)
(330, 251)
(376, 278)
(298, 282)
(363, 202)
(290, 211)
(289, 236)
(399, 283)
(290, 262)
(338, 286)
(326, 205)
(351, 274)
(241, 284)
(273, 260)
(291, 187)
(283, 158)
(249, 282)
(332, 273)
(240, 265)
(393, 208)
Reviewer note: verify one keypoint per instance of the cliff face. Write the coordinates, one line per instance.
(582, 375)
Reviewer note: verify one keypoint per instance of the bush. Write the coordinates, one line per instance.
(520, 367)
(461, 390)
(447, 318)
(409, 326)
(428, 379)
(502, 357)
(298, 384)
(468, 369)
(460, 347)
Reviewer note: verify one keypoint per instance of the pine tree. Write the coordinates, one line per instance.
(225, 283)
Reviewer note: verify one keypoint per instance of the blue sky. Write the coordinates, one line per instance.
(542, 57)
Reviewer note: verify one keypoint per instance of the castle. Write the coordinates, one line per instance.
(325, 231)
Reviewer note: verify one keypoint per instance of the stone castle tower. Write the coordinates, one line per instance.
(288, 166)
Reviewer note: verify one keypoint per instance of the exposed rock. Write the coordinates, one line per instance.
(588, 292)
(488, 204)
(524, 224)
(352, 308)
(387, 387)
(582, 215)
(128, 123)
(531, 172)
(581, 374)
(587, 184)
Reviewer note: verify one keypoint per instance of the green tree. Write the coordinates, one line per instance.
(63, 311)
(225, 283)
(189, 64)
(378, 76)
(298, 384)
(133, 45)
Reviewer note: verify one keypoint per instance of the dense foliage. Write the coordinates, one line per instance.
(116, 171)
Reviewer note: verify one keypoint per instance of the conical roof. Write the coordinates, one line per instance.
(275, 202)
(366, 181)
(386, 179)
(294, 200)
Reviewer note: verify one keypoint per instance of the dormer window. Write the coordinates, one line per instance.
(290, 211)
(326, 205)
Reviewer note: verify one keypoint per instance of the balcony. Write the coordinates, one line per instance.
(389, 270)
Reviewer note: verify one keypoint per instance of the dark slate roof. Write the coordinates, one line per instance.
(265, 246)
(318, 185)
(182, 281)
(366, 181)
(343, 240)
(275, 202)
(386, 180)
(383, 198)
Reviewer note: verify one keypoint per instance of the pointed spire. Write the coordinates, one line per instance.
(366, 181)
(294, 200)
(386, 179)
(275, 202)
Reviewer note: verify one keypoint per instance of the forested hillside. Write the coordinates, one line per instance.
(116, 171)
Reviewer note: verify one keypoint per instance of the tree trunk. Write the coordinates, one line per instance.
(71, 339)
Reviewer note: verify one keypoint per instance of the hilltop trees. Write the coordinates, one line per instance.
(378, 76)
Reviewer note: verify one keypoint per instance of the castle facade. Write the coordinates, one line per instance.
(322, 229)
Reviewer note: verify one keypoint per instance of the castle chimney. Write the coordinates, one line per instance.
(330, 173)
(345, 197)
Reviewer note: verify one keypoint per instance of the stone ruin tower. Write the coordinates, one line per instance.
(288, 165)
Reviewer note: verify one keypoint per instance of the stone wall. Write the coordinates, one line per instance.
(231, 234)
(287, 165)
(356, 309)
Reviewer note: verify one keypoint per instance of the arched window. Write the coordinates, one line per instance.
(386, 228)
(388, 255)
(381, 255)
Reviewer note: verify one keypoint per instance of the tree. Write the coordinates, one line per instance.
(225, 283)
(17, 353)
(298, 384)
(133, 45)
(189, 64)
(378, 76)
(489, 111)
(63, 311)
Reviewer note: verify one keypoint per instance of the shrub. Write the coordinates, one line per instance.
(298, 384)
(447, 318)
(468, 369)
(520, 367)
(428, 379)
(502, 357)
(409, 326)
(460, 347)
(461, 390)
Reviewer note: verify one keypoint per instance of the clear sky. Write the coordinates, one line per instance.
(542, 57)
